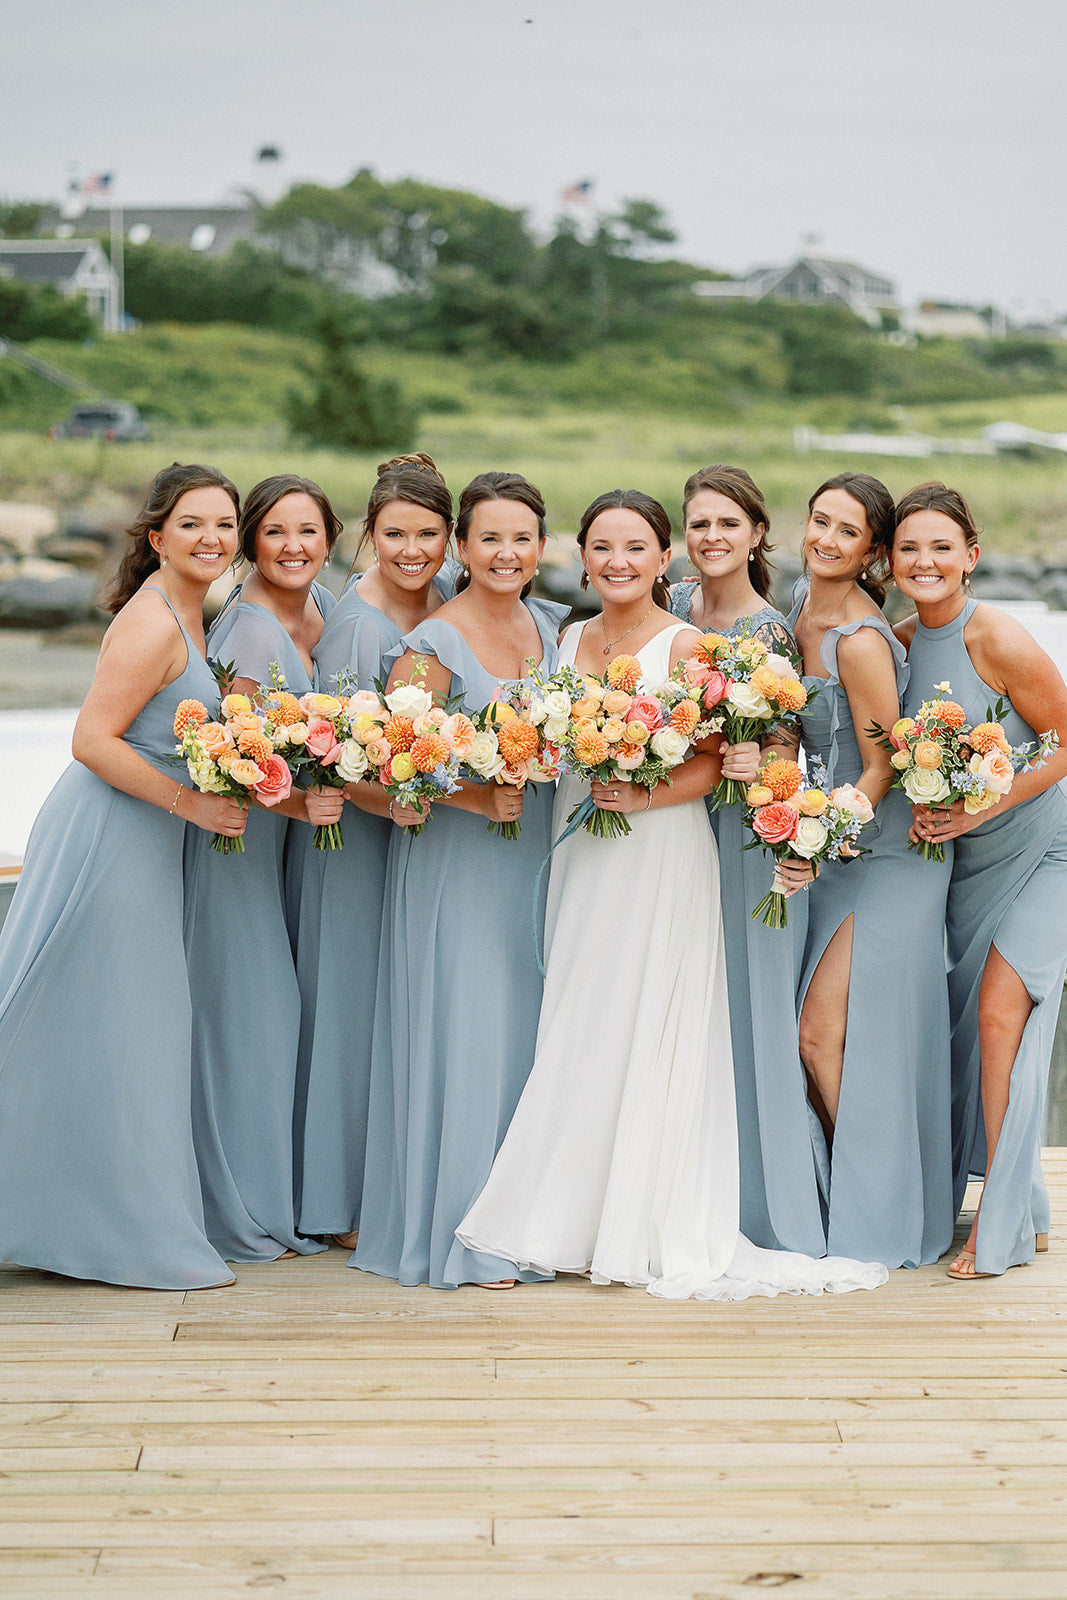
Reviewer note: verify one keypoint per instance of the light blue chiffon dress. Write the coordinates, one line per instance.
(458, 999)
(335, 902)
(888, 1181)
(98, 1178)
(247, 1025)
(781, 1206)
(1009, 889)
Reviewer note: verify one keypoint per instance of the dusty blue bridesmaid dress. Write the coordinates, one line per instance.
(1008, 889)
(888, 1180)
(335, 919)
(98, 1178)
(247, 1026)
(457, 1007)
(781, 1208)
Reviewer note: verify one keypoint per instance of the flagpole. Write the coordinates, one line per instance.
(118, 266)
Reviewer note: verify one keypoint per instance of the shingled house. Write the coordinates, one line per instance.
(73, 266)
(814, 279)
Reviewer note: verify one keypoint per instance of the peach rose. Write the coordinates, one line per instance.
(322, 742)
(616, 703)
(775, 823)
(365, 703)
(320, 705)
(629, 758)
(378, 752)
(614, 728)
(849, 798)
(247, 722)
(276, 782)
(214, 739)
(900, 759)
(460, 733)
(584, 708)
(247, 773)
(995, 770)
(927, 755)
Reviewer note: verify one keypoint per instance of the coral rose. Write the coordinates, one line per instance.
(276, 782)
(988, 736)
(190, 714)
(927, 755)
(645, 710)
(716, 690)
(776, 823)
(322, 742)
(624, 672)
(782, 778)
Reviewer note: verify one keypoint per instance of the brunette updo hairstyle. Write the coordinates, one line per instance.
(877, 503)
(736, 485)
(167, 489)
(652, 512)
(265, 496)
(938, 497)
(413, 478)
(498, 486)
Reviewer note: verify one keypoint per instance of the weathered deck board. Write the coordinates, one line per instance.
(313, 1424)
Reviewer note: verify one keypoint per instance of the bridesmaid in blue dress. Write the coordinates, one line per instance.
(1007, 905)
(458, 987)
(873, 997)
(336, 896)
(247, 1024)
(726, 525)
(98, 1177)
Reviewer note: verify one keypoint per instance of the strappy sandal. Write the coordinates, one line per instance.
(968, 1277)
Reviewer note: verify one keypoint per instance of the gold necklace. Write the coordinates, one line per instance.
(609, 646)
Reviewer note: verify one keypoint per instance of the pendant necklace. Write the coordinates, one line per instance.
(609, 647)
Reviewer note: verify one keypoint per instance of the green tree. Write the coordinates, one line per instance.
(346, 408)
(39, 311)
(19, 218)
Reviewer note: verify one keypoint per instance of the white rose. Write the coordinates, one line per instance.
(926, 788)
(781, 665)
(809, 838)
(409, 700)
(352, 763)
(485, 759)
(557, 706)
(556, 728)
(747, 701)
(669, 745)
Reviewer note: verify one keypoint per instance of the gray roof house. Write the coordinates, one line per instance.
(813, 279)
(210, 229)
(73, 266)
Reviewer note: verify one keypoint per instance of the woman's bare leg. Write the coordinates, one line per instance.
(823, 1021)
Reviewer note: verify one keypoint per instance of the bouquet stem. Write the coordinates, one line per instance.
(727, 792)
(506, 830)
(227, 846)
(603, 824)
(771, 910)
(329, 837)
(930, 849)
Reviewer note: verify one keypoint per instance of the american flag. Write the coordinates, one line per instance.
(575, 193)
(97, 183)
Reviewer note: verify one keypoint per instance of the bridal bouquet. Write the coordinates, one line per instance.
(751, 689)
(621, 733)
(938, 759)
(789, 818)
(238, 751)
(400, 739)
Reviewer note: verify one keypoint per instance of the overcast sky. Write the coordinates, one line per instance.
(924, 139)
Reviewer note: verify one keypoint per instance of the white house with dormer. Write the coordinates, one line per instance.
(813, 279)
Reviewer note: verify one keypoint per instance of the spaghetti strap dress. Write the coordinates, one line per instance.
(241, 966)
(98, 1177)
(457, 1005)
(1008, 890)
(335, 900)
(888, 1180)
(781, 1205)
(622, 1160)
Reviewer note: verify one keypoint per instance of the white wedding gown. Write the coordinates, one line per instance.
(621, 1159)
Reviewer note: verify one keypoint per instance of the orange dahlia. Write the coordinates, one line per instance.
(517, 741)
(285, 709)
(766, 681)
(400, 733)
(791, 694)
(988, 736)
(948, 712)
(190, 714)
(624, 673)
(429, 751)
(590, 745)
(706, 648)
(256, 746)
(782, 778)
(685, 717)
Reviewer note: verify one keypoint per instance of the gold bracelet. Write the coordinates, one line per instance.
(177, 798)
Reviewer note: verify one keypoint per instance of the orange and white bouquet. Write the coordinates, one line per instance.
(399, 738)
(240, 751)
(519, 733)
(750, 688)
(791, 818)
(621, 732)
(937, 759)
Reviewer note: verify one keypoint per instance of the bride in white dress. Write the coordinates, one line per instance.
(621, 1159)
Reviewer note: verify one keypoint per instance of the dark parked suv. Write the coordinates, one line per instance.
(104, 419)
